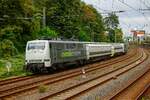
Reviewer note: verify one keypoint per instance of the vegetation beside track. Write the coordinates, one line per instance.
(17, 63)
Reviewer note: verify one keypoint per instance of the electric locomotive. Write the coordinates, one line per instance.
(42, 55)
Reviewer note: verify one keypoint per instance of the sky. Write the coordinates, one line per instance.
(136, 15)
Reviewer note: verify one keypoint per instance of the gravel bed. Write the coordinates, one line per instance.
(105, 91)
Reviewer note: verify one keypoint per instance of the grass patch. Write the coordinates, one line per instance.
(43, 88)
(17, 63)
(145, 98)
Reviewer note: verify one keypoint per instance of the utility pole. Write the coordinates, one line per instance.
(44, 17)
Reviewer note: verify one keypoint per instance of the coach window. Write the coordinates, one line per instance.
(70, 46)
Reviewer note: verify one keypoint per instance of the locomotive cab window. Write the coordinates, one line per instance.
(37, 45)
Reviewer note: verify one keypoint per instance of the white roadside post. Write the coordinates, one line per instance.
(83, 73)
(8, 66)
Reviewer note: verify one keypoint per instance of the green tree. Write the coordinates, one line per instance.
(21, 21)
(68, 17)
(83, 36)
(92, 22)
(119, 35)
(17, 23)
(111, 22)
(111, 25)
(47, 32)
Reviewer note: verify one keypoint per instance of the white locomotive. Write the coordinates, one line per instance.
(42, 55)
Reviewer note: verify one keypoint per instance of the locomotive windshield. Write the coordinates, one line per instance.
(37, 45)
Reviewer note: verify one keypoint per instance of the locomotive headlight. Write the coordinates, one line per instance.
(47, 62)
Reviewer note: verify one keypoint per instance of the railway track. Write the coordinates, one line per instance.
(23, 78)
(82, 88)
(15, 90)
(145, 93)
(140, 86)
(16, 79)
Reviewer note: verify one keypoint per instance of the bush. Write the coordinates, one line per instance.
(7, 48)
(17, 63)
